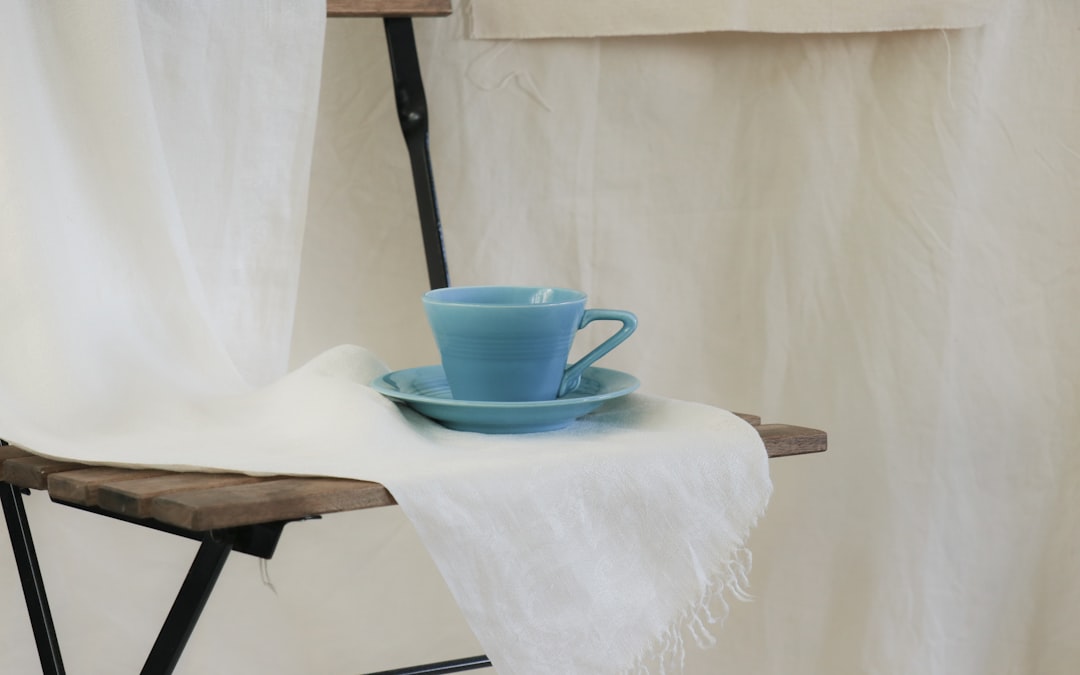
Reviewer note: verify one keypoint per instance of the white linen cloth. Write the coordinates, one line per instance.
(154, 158)
(523, 19)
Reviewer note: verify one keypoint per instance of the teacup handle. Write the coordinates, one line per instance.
(572, 376)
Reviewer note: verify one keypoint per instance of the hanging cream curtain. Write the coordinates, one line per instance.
(874, 233)
(517, 19)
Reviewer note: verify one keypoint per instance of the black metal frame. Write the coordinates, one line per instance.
(455, 666)
(413, 116)
(188, 606)
(37, 603)
(257, 540)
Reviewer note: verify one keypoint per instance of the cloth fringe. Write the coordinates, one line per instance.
(667, 654)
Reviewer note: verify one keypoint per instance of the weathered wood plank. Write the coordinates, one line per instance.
(373, 8)
(269, 501)
(782, 440)
(753, 420)
(81, 486)
(135, 498)
(10, 452)
(33, 472)
(201, 501)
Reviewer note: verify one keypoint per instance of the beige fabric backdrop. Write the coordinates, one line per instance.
(509, 19)
(874, 234)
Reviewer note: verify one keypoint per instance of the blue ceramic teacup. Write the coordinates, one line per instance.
(511, 343)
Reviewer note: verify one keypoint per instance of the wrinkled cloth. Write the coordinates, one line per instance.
(155, 160)
(524, 19)
(587, 550)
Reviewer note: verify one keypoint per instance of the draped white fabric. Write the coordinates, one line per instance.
(145, 136)
(522, 19)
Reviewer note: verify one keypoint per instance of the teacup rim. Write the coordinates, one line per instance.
(431, 297)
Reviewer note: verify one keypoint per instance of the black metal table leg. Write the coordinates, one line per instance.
(413, 116)
(37, 603)
(189, 604)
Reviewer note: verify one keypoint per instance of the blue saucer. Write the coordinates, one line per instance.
(425, 390)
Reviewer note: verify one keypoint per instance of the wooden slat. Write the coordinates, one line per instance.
(200, 501)
(135, 498)
(33, 471)
(372, 8)
(81, 486)
(10, 452)
(782, 440)
(754, 420)
(269, 501)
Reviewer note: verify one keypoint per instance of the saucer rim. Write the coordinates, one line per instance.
(632, 383)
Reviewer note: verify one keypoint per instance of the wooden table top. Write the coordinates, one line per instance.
(209, 501)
